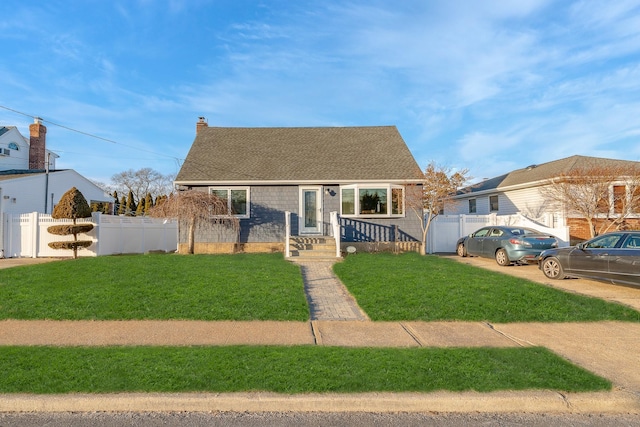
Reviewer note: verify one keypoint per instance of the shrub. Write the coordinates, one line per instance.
(72, 206)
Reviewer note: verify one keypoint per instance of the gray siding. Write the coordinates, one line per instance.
(268, 204)
(267, 221)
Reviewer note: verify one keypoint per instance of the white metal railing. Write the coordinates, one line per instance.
(335, 230)
(287, 237)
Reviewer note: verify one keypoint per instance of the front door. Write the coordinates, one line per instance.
(310, 210)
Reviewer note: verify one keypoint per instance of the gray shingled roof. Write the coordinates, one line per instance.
(322, 154)
(536, 173)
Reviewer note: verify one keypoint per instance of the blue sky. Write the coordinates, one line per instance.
(490, 86)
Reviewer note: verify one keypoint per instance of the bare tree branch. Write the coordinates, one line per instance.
(439, 186)
(195, 208)
(603, 195)
(140, 182)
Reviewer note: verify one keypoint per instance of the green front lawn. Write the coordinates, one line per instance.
(197, 287)
(298, 369)
(265, 287)
(412, 287)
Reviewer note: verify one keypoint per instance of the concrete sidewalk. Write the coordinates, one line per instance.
(609, 349)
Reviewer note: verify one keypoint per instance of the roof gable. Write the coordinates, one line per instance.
(323, 154)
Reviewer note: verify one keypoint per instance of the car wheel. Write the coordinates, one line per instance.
(461, 250)
(552, 268)
(502, 258)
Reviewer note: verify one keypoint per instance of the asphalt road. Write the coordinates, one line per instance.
(291, 419)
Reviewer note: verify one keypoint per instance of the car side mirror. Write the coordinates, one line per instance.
(580, 246)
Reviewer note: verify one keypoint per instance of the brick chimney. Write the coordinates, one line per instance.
(202, 123)
(37, 144)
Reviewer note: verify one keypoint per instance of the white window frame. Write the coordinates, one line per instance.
(229, 190)
(389, 187)
(475, 206)
(497, 203)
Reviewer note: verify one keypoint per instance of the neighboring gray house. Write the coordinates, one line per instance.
(359, 172)
(518, 192)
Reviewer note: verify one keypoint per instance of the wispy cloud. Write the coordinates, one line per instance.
(489, 85)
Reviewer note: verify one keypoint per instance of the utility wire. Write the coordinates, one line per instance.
(197, 165)
(88, 134)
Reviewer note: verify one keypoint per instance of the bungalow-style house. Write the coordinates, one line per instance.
(361, 173)
(520, 192)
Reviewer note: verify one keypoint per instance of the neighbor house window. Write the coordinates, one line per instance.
(472, 205)
(493, 203)
(13, 146)
(237, 200)
(619, 198)
(372, 200)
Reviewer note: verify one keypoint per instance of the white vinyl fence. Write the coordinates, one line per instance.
(445, 230)
(26, 235)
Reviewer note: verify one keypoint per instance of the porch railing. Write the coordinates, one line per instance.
(287, 237)
(335, 231)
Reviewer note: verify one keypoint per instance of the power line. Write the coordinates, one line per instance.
(88, 134)
(178, 160)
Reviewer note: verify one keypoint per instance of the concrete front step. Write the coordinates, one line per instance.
(313, 248)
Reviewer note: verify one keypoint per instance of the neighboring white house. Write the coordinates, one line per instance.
(29, 181)
(37, 191)
(518, 192)
(14, 150)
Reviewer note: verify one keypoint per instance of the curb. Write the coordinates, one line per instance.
(492, 402)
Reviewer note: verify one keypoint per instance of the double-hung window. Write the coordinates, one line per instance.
(472, 206)
(372, 200)
(237, 199)
(493, 204)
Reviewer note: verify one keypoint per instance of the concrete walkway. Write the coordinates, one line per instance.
(328, 298)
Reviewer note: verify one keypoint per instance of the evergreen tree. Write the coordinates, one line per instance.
(148, 202)
(122, 206)
(130, 207)
(116, 203)
(140, 208)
